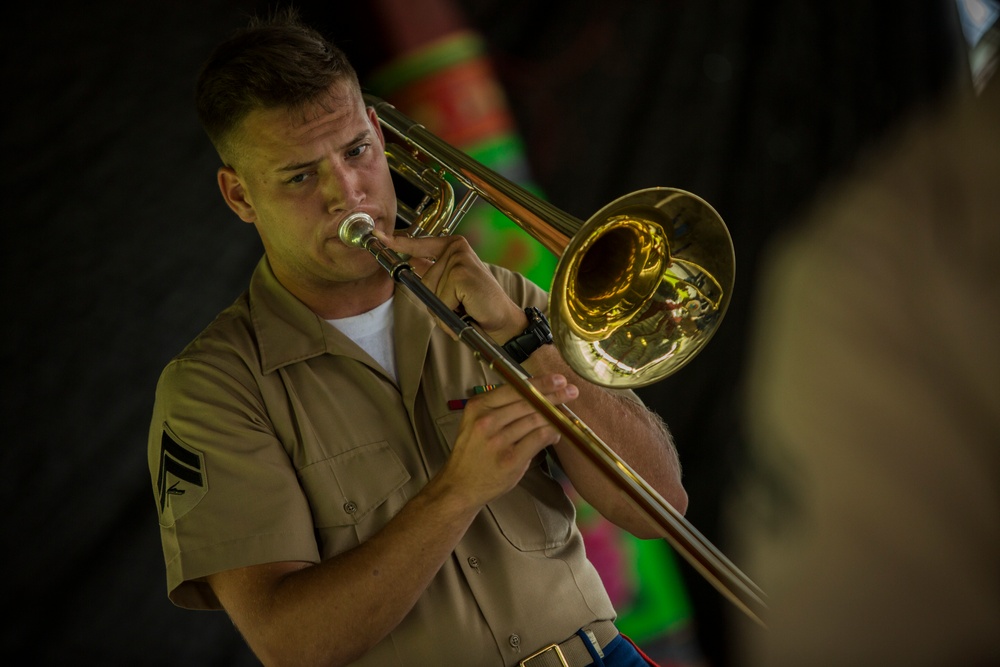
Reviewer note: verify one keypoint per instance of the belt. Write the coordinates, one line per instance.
(573, 652)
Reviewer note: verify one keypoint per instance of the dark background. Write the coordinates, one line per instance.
(120, 249)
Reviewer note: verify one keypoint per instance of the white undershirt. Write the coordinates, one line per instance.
(372, 331)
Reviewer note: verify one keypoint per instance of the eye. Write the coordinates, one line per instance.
(299, 178)
(358, 150)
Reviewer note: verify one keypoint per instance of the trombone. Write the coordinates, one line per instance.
(639, 289)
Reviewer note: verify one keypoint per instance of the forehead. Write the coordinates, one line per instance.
(336, 116)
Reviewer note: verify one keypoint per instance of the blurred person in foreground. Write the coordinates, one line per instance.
(873, 403)
(323, 469)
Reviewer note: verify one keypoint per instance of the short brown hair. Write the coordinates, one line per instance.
(273, 62)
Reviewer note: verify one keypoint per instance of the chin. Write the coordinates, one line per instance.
(364, 268)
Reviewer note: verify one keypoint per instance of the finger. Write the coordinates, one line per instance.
(510, 436)
(429, 257)
(554, 387)
(430, 248)
(497, 411)
(458, 277)
(532, 432)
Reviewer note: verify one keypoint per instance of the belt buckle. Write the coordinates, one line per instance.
(550, 647)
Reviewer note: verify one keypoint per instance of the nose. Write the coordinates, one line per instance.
(343, 190)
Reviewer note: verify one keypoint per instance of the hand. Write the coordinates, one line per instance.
(500, 433)
(450, 267)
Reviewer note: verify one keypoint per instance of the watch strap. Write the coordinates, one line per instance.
(536, 334)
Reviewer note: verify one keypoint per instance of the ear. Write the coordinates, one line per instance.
(373, 119)
(235, 194)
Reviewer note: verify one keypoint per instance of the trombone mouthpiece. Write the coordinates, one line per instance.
(355, 228)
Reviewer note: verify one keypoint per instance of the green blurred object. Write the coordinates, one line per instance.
(496, 239)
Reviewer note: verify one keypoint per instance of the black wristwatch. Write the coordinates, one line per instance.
(537, 333)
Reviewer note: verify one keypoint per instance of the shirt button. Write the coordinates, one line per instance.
(515, 641)
(473, 562)
(350, 507)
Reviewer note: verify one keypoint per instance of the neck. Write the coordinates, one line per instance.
(336, 300)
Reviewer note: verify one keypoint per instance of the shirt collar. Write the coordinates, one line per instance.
(288, 331)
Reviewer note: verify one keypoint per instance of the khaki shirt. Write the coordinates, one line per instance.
(276, 438)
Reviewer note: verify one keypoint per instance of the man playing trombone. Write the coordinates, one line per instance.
(323, 467)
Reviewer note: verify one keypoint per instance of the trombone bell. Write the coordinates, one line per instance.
(642, 287)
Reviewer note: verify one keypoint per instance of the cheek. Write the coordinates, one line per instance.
(287, 206)
(379, 172)
(285, 220)
(388, 197)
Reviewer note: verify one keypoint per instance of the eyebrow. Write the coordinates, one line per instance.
(363, 134)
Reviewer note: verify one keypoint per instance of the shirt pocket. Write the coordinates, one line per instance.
(536, 514)
(355, 493)
(447, 426)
